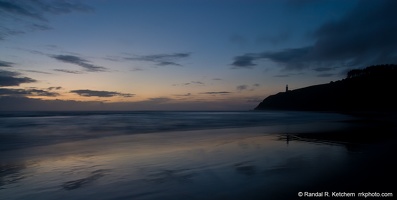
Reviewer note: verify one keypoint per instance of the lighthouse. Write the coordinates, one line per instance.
(286, 88)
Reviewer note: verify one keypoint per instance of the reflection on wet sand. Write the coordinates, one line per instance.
(75, 184)
(248, 163)
(359, 134)
(10, 173)
(245, 168)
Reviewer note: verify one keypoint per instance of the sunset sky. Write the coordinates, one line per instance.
(182, 54)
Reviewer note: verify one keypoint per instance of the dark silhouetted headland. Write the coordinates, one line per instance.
(363, 90)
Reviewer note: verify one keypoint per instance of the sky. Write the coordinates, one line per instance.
(183, 54)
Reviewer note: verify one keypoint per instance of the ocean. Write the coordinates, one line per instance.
(192, 155)
(25, 129)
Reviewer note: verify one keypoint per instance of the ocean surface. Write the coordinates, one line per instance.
(25, 129)
(192, 155)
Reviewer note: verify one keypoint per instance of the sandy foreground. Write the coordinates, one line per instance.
(273, 162)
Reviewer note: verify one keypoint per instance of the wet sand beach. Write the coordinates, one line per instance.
(271, 162)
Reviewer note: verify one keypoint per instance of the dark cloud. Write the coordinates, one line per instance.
(159, 100)
(113, 58)
(37, 9)
(364, 36)
(26, 92)
(80, 62)
(9, 73)
(295, 57)
(62, 6)
(161, 59)
(215, 93)
(54, 88)
(184, 95)
(165, 63)
(96, 93)
(198, 83)
(68, 71)
(35, 71)
(242, 87)
(290, 58)
(8, 78)
(136, 69)
(244, 61)
(33, 15)
(5, 32)
(6, 64)
(20, 8)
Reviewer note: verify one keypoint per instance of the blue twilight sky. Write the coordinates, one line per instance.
(182, 54)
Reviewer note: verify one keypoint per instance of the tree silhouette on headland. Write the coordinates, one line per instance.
(374, 70)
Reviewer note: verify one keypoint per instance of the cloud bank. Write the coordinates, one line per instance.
(96, 93)
(78, 61)
(364, 36)
(191, 83)
(161, 59)
(245, 87)
(9, 78)
(27, 92)
(217, 93)
(68, 71)
(6, 64)
(34, 14)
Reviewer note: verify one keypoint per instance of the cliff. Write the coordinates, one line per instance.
(370, 89)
